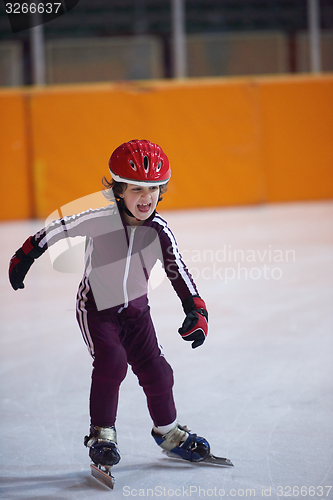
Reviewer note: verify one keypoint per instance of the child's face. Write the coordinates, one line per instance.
(141, 200)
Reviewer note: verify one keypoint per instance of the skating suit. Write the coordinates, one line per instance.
(112, 305)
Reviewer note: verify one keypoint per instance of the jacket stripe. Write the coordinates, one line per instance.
(182, 269)
(71, 223)
(82, 315)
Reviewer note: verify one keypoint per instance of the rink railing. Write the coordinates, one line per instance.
(230, 141)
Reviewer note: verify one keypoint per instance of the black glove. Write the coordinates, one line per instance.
(195, 325)
(21, 262)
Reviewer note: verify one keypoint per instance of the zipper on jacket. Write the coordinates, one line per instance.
(127, 266)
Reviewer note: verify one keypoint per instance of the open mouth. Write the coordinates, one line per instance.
(144, 207)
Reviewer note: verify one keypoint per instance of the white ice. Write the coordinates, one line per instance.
(259, 389)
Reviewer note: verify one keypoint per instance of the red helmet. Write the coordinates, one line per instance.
(140, 162)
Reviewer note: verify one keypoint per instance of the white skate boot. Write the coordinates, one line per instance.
(179, 441)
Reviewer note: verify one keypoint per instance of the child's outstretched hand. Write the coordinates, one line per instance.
(21, 262)
(195, 325)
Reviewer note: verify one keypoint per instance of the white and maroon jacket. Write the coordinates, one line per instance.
(118, 257)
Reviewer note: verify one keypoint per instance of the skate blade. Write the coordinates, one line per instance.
(210, 459)
(104, 476)
(224, 462)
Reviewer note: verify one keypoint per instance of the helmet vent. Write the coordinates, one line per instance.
(133, 165)
(159, 166)
(146, 163)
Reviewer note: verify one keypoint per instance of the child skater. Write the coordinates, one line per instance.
(123, 242)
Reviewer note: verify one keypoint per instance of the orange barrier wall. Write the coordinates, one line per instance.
(297, 138)
(229, 141)
(15, 181)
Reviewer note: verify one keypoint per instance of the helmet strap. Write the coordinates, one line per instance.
(125, 209)
(128, 212)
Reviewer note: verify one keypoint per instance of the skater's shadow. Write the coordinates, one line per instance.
(157, 465)
(53, 486)
(66, 485)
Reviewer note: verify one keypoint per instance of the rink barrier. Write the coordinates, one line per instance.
(230, 141)
(16, 189)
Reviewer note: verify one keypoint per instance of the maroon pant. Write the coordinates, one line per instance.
(116, 340)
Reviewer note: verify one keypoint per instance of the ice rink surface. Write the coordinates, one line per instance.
(260, 388)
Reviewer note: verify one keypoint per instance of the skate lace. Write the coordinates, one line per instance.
(105, 435)
(177, 436)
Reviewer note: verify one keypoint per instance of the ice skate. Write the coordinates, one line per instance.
(181, 443)
(103, 451)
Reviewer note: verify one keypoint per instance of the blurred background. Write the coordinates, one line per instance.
(242, 87)
(106, 40)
